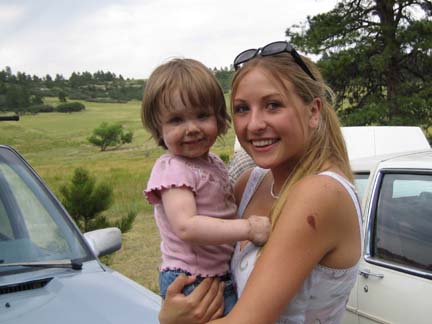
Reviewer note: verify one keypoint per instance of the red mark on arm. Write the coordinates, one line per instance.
(311, 221)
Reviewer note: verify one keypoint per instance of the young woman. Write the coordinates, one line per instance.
(283, 118)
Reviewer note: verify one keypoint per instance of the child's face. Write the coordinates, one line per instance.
(187, 131)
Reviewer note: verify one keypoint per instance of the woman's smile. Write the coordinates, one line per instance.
(263, 142)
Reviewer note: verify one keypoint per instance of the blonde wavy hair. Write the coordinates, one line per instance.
(326, 142)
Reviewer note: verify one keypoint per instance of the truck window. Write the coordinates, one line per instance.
(403, 221)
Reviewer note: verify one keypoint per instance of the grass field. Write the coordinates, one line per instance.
(56, 143)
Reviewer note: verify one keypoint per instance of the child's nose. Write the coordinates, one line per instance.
(192, 128)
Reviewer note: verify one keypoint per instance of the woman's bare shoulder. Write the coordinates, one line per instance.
(321, 196)
(319, 185)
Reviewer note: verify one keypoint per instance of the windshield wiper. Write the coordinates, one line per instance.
(71, 264)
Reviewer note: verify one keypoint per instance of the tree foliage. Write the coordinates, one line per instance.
(70, 107)
(40, 108)
(376, 55)
(62, 96)
(224, 77)
(20, 91)
(110, 135)
(85, 201)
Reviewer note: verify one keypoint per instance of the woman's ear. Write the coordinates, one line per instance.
(315, 113)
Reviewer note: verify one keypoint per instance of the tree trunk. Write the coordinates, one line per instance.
(391, 50)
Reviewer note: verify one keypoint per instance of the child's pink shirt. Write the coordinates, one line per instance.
(208, 180)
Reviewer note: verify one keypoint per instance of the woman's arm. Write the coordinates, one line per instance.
(307, 230)
(180, 208)
(202, 305)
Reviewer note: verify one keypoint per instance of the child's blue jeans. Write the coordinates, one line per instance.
(168, 276)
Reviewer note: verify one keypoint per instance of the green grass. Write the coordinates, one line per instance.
(56, 143)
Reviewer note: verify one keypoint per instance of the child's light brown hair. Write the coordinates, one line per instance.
(197, 86)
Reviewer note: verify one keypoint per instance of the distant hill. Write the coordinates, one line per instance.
(20, 92)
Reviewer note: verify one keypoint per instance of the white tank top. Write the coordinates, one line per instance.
(324, 294)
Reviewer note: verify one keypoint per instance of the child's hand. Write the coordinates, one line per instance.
(260, 229)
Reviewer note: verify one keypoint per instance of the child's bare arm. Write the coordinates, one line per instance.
(180, 208)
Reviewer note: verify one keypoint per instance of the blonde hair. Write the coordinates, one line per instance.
(326, 142)
(197, 86)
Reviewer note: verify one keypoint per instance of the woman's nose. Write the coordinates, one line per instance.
(256, 122)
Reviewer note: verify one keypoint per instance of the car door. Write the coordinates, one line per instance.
(395, 280)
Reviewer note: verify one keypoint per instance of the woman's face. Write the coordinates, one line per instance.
(272, 124)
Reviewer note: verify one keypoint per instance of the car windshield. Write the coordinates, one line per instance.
(33, 225)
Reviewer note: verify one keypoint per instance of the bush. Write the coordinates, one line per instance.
(70, 107)
(124, 224)
(106, 100)
(85, 200)
(46, 108)
(110, 135)
(43, 108)
(127, 137)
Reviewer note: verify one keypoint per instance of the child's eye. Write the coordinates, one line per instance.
(238, 109)
(203, 115)
(175, 120)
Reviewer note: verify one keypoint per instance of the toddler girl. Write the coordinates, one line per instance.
(184, 109)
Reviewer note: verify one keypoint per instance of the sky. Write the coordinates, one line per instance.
(133, 37)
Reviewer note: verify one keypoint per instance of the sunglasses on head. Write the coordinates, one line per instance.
(269, 50)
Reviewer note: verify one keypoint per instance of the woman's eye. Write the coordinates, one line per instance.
(274, 105)
(238, 109)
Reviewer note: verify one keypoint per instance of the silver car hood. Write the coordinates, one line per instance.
(92, 295)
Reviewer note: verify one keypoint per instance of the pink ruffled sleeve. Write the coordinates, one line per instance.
(168, 172)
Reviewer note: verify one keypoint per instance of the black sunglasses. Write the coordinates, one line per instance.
(269, 50)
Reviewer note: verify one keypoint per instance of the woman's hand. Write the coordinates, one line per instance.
(204, 304)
